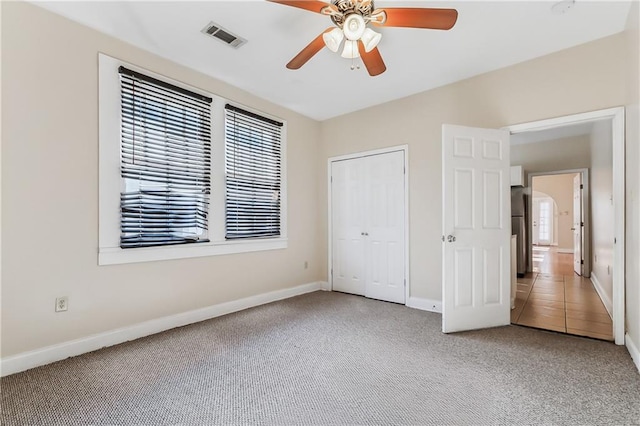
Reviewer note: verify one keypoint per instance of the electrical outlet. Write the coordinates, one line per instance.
(62, 304)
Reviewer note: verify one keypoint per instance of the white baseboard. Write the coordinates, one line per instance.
(425, 304)
(564, 250)
(26, 360)
(606, 300)
(633, 350)
(324, 285)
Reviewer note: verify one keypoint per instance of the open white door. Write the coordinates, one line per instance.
(577, 224)
(476, 226)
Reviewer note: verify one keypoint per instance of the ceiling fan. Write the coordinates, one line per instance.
(352, 19)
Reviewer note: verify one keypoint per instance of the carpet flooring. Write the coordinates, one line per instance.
(332, 359)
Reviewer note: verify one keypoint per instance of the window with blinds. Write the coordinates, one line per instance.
(165, 162)
(253, 174)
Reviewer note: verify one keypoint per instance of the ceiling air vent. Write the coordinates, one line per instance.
(216, 31)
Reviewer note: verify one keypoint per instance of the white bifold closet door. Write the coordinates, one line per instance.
(368, 226)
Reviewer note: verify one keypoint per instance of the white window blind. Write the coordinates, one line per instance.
(165, 162)
(253, 174)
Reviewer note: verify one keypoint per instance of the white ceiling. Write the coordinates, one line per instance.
(487, 36)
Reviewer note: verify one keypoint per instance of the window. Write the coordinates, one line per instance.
(252, 152)
(182, 172)
(165, 163)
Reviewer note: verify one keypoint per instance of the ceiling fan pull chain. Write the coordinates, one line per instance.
(354, 66)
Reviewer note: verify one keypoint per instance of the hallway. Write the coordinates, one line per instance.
(554, 298)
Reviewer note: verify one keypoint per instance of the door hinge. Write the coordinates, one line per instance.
(581, 186)
(581, 223)
(582, 261)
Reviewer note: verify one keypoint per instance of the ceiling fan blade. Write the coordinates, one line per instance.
(311, 5)
(308, 52)
(372, 60)
(435, 19)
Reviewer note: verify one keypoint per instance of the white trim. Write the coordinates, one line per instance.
(405, 150)
(325, 286)
(425, 304)
(109, 181)
(633, 351)
(603, 294)
(552, 123)
(116, 255)
(566, 251)
(49, 354)
(616, 115)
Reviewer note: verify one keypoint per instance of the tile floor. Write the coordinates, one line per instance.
(554, 298)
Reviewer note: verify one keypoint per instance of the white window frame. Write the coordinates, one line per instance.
(109, 180)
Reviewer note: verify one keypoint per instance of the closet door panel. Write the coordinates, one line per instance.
(385, 228)
(348, 214)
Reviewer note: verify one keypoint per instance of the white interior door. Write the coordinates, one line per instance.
(476, 228)
(368, 226)
(347, 216)
(385, 229)
(577, 224)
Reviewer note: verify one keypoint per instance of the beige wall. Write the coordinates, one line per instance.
(583, 78)
(560, 188)
(554, 155)
(50, 196)
(632, 101)
(602, 213)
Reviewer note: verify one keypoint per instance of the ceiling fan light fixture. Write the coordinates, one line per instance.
(370, 39)
(333, 38)
(350, 50)
(354, 26)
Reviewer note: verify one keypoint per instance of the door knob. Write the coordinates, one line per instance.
(451, 238)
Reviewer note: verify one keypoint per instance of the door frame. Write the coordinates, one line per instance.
(330, 161)
(616, 115)
(586, 213)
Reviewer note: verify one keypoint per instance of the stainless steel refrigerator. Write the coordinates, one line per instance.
(519, 227)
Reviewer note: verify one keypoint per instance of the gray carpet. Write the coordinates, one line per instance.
(330, 358)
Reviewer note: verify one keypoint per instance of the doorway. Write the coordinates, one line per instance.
(561, 216)
(615, 199)
(558, 294)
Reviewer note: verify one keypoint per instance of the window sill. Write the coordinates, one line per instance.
(116, 255)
